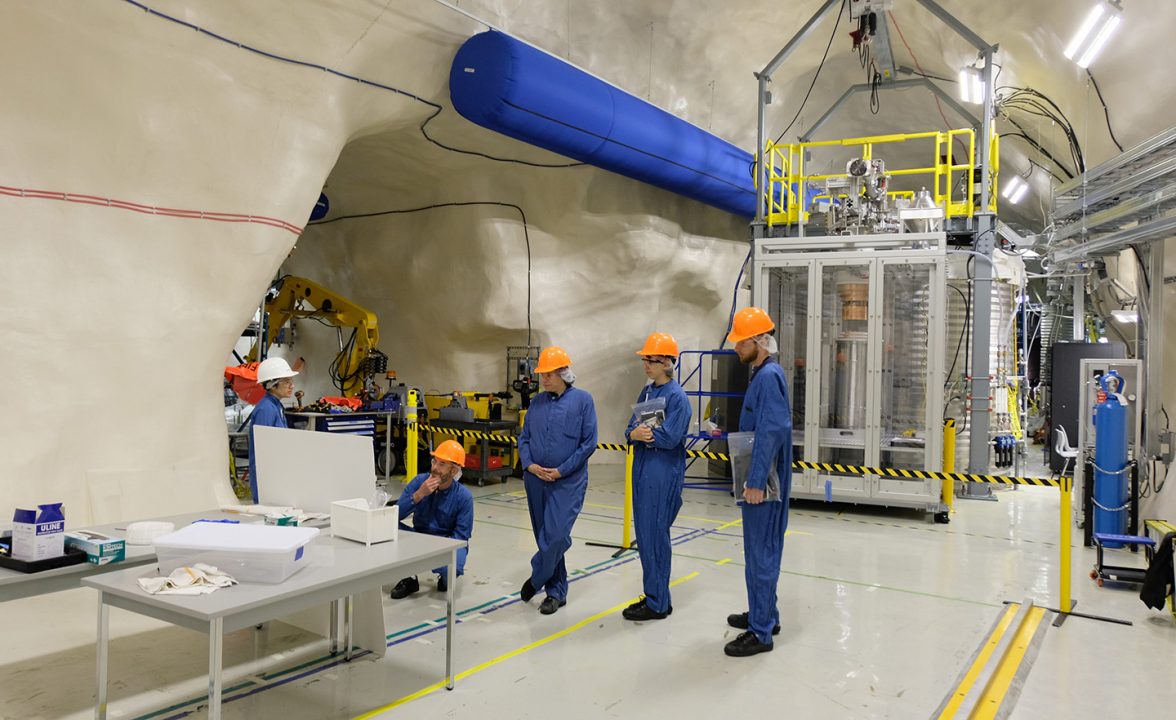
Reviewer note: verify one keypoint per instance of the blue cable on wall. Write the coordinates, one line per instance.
(510, 87)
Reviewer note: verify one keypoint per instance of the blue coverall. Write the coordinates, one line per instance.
(445, 513)
(659, 469)
(767, 413)
(559, 432)
(268, 412)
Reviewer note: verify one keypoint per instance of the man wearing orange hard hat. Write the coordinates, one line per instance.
(657, 432)
(766, 412)
(439, 505)
(558, 437)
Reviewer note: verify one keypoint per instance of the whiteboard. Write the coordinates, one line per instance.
(310, 470)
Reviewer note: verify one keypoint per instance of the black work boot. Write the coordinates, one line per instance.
(739, 622)
(405, 587)
(644, 612)
(550, 605)
(746, 644)
(442, 583)
(527, 591)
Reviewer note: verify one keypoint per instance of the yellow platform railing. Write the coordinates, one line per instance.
(952, 181)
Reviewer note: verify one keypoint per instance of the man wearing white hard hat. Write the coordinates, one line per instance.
(276, 376)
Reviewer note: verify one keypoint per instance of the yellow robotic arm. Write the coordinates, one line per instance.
(296, 297)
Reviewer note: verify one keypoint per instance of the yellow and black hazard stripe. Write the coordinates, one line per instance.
(1066, 483)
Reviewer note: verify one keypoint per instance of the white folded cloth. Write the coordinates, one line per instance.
(200, 579)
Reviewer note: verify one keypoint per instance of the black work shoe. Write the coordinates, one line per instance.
(527, 591)
(442, 583)
(639, 604)
(739, 622)
(644, 612)
(550, 605)
(405, 587)
(746, 644)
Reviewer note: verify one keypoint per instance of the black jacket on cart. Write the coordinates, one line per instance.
(1158, 582)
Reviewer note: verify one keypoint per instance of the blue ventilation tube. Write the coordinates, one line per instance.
(513, 88)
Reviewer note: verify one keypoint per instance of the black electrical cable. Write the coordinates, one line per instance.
(347, 76)
(1142, 269)
(875, 82)
(522, 214)
(1106, 110)
(1032, 101)
(815, 75)
(963, 330)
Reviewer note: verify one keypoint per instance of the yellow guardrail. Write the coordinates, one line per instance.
(952, 181)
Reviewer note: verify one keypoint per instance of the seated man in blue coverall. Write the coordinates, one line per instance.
(441, 506)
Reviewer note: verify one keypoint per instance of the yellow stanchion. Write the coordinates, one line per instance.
(410, 436)
(949, 439)
(626, 535)
(1064, 543)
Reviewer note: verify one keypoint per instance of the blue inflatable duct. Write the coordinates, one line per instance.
(513, 88)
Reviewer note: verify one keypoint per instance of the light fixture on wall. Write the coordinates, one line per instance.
(1094, 32)
(971, 85)
(1015, 189)
(1125, 316)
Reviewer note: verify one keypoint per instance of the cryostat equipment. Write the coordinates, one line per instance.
(862, 344)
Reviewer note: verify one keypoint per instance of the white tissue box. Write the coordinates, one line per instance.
(354, 520)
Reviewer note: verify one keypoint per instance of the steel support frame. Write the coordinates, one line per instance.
(891, 85)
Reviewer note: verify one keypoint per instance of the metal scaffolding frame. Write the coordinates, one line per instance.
(983, 227)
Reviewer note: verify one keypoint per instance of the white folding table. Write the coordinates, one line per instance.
(337, 570)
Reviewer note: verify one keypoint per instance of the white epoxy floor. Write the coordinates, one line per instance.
(881, 609)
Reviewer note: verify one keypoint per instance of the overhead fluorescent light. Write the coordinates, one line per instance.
(1095, 31)
(1125, 316)
(1015, 189)
(971, 85)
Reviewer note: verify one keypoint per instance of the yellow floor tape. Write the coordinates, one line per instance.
(998, 687)
(513, 653)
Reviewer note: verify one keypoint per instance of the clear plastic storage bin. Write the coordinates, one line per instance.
(250, 553)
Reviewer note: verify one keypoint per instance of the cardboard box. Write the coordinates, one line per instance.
(100, 549)
(38, 534)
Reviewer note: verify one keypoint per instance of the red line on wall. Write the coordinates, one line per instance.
(150, 209)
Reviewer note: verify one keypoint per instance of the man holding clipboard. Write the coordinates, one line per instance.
(767, 414)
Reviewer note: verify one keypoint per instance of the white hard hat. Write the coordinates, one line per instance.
(274, 368)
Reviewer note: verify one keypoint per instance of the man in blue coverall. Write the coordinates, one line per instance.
(276, 376)
(441, 506)
(558, 437)
(659, 469)
(766, 412)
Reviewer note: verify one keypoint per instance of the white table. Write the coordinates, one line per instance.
(15, 585)
(338, 569)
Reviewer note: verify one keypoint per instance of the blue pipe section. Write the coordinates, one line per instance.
(515, 89)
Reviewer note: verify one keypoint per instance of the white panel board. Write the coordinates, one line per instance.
(310, 470)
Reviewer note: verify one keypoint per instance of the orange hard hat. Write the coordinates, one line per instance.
(749, 322)
(552, 358)
(660, 344)
(450, 451)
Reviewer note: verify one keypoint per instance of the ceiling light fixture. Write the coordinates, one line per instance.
(971, 85)
(1015, 189)
(1125, 316)
(1095, 31)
